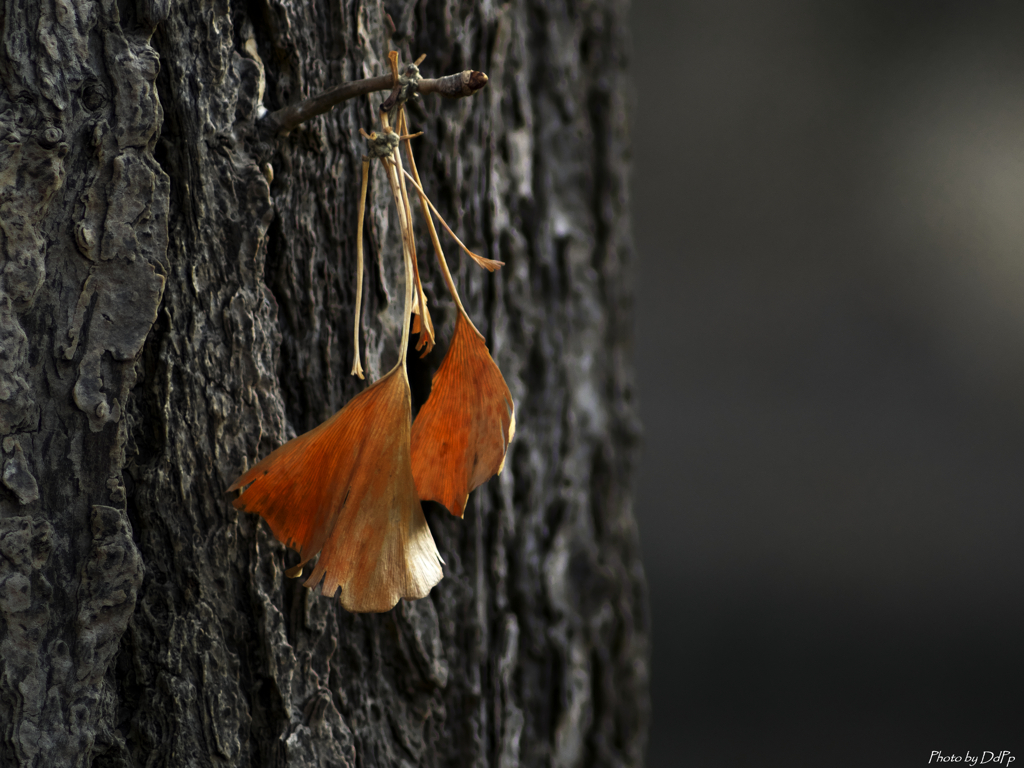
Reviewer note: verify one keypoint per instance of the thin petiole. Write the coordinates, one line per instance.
(408, 247)
(489, 264)
(357, 365)
(438, 252)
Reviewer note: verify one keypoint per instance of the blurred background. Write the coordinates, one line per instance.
(829, 220)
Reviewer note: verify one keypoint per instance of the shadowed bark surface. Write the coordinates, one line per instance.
(176, 300)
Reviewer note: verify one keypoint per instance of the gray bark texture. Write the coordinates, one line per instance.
(176, 297)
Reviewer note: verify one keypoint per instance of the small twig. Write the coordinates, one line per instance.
(284, 120)
(455, 86)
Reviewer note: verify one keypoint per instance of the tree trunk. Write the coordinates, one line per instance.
(176, 300)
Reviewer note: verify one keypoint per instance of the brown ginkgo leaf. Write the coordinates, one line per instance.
(462, 432)
(345, 490)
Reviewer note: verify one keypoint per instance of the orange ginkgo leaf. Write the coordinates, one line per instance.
(345, 490)
(462, 432)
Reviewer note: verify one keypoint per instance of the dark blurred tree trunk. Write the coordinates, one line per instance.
(167, 315)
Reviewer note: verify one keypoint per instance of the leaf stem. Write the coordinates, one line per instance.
(357, 365)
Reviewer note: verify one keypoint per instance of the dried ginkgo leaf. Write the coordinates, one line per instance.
(345, 490)
(462, 432)
(414, 178)
(489, 264)
(421, 321)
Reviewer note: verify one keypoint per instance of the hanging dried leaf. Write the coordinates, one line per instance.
(489, 264)
(421, 321)
(462, 432)
(345, 490)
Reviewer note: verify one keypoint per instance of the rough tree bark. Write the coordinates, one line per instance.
(176, 300)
